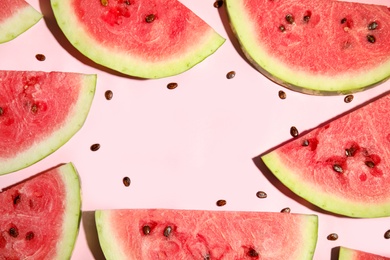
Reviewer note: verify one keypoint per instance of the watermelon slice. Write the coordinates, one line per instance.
(39, 112)
(342, 166)
(16, 17)
(315, 47)
(141, 38)
(352, 254)
(39, 217)
(196, 234)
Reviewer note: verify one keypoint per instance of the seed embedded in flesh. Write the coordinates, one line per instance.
(172, 85)
(104, 2)
(206, 257)
(253, 253)
(387, 234)
(127, 2)
(1, 111)
(294, 131)
(337, 168)
(146, 230)
(13, 232)
(286, 210)
(230, 74)
(350, 152)
(221, 203)
(282, 94)
(150, 18)
(218, 3)
(344, 20)
(40, 57)
(305, 142)
(282, 28)
(108, 94)
(167, 231)
(371, 38)
(348, 98)
(95, 147)
(29, 235)
(332, 237)
(373, 26)
(34, 108)
(261, 194)
(126, 181)
(307, 16)
(289, 18)
(370, 164)
(16, 199)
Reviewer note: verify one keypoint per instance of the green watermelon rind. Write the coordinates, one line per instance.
(121, 61)
(71, 222)
(111, 244)
(293, 79)
(322, 199)
(75, 121)
(17, 24)
(346, 253)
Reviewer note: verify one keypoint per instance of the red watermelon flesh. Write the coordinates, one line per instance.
(353, 254)
(39, 112)
(39, 217)
(315, 47)
(198, 234)
(342, 166)
(142, 38)
(16, 17)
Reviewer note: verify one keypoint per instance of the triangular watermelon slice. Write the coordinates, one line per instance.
(39, 112)
(198, 234)
(315, 47)
(16, 17)
(342, 166)
(39, 217)
(353, 254)
(141, 38)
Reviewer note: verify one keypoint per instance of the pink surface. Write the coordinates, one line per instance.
(189, 147)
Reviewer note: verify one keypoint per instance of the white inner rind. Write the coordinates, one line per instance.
(20, 22)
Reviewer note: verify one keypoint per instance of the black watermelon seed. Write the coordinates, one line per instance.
(29, 235)
(13, 232)
(294, 131)
(127, 2)
(282, 94)
(253, 253)
(126, 181)
(372, 26)
(261, 194)
(282, 28)
(332, 237)
(370, 164)
(348, 98)
(172, 85)
(371, 38)
(40, 57)
(108, 94)
(218, 3)
(150, 18)
(167, 231)
(387, 234)
(286, 210)
(307, 16)
(146, 230)
(289, 18)
(344, 20)
(221, 203)
(350, 152)
(305, 142)
(337, 168)
(16, 199)
(230, 74)
(95, 147)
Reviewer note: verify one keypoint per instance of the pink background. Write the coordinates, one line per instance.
(189, 147)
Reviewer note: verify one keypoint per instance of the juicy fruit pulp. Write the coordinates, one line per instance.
(148, 39)
(352, 254)
(39, 217)
(315, 47)
(39, 112)
(195, 234)
(342, 166)
(16, 17)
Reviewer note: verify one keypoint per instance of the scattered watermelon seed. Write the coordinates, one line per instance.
(261, 194)
(370, 38)
(13, 232)
(282, 94)
(286, 210)
(289, 18)
(29, 235)
(337, 168)
(1, 111)
(108, 94)
(344, 20)
(126, 181)
(387, 234)
(350, 152)
(150, 18)
(95, 147)
(127, 2)
(305, 142)
(104, 2)
(253, 253)
(372, 26)
(307, 16)
(294, 131)
(332, 237)
(230, 74)
(282, 28)
(146, 230)
(16, 199)
(167, 231)
(348, 98)
(172, 85)
(370, 164)
(218, 3)
(40, 57)
(221, 203)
